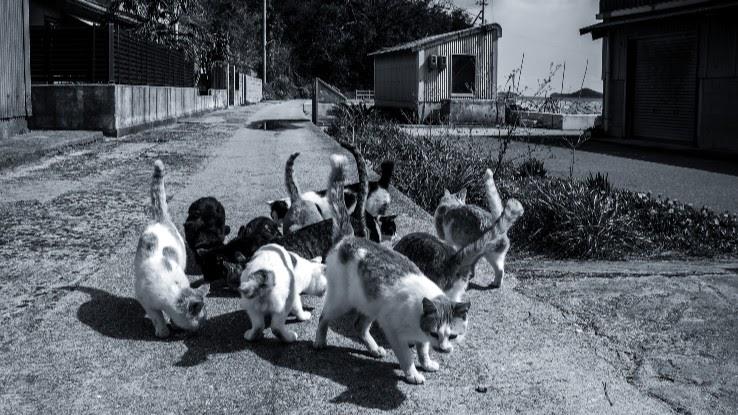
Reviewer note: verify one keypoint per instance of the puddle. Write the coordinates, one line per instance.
(277, 125)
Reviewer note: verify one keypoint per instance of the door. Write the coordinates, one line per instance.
(663, 88)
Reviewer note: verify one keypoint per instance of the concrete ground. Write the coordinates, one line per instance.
(558, 337)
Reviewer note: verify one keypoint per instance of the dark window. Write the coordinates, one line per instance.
(462, 74)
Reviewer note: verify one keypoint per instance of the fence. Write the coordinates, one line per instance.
(325, 97)
(105, 54)
(365, 94)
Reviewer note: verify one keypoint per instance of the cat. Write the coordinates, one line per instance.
(380, 226)
(460, 224)
(383, 285)
(450, 269)
(205, 227)
(302, 212)
(161, 286)
(273, 280)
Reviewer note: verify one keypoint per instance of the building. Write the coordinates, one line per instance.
(15, 76)
(452, 76)
(670, 72)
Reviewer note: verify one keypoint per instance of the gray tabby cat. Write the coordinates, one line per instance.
(460, 224)
(301, 212)
(451, 270)
(385, 286)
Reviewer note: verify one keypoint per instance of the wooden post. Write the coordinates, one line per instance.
(315, 102)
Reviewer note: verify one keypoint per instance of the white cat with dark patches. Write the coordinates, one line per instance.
(273, 280)
(162, 288)
(387, 287)
(302, 212)
(460, 224)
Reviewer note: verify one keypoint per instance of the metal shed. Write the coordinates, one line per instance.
(452, 74)
(15, 77)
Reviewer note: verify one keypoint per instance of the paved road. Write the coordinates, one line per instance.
(74, 341)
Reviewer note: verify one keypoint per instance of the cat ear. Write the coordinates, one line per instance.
(446, 192)
(428, 307)
(204, 289)
(195, 307)
(317, 259)
(462, 195)
(227, 230)
(460, 309)
(274, 215)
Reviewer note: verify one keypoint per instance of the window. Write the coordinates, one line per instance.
(463, 71)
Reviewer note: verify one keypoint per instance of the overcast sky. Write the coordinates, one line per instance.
(546, 31)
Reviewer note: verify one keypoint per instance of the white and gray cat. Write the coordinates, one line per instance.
(273, 280)
(302, 212)
(383, 285)
(161, 286)
(460, 224)
(450, 269)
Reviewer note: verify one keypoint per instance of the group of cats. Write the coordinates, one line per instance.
(414, 290)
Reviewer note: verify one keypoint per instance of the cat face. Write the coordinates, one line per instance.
(256, 284)
(190, 307)
(453, 199)
(387, 227)
(221, 266)
(205, 225)
(444, 321)
(278, 209)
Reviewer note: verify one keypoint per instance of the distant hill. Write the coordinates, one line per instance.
(582, 93)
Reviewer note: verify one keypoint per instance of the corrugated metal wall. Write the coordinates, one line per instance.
(436, 85)
(15, 89)
(396, 80)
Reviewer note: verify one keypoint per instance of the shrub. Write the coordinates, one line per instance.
(599, 183)
(531, 167)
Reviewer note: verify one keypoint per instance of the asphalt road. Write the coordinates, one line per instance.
(75, 341)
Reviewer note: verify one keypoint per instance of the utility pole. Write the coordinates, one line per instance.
(482, 3)
(264, 42)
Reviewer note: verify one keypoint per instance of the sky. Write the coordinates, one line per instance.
(546, 31)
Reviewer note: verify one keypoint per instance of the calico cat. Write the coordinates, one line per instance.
(450, 269)
(383, 285)
(302, 212)
(273, 280)
(161, 286)
(460, 224)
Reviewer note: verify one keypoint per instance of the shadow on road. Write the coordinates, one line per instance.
(370, 383)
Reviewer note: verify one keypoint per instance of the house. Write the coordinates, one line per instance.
(15, 77)
(670, 72)
(90, 71)
(452, 76)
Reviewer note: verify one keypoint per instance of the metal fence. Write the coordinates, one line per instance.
(325, 98)
(105, 54)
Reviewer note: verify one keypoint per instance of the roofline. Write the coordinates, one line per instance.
(598, 30)
(101, 10)
(471, 31)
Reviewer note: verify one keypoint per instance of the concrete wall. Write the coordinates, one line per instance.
(253, 90)
(556, 121)
(116, 109)
(478, 111)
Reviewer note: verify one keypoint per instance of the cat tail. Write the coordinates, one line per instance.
(494, 203)
(385, 173)
(470, 253)
(336, 199)
(360, 209)
(159, 208)
(289, 178)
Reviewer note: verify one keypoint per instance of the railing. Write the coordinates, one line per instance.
(365, 94)
(325, 97)
(105, 54)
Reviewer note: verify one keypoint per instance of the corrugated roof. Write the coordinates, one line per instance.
(425, 42)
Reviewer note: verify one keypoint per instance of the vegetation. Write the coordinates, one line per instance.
(564, 218)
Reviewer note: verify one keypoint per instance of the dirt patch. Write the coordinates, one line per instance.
(673, 337)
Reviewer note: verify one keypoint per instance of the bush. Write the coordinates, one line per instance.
(564, 218)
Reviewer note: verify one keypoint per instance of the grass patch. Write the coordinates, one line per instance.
(564, 217)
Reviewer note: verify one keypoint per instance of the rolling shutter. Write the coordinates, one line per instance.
(664, 88)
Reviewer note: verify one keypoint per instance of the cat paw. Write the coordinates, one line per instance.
(378, 353)
(430, 365)
(253, 334)
(162, 332)
(415, 378)
(303, 316)
(288, 336)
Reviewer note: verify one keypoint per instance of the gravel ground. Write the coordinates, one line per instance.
(75, 341)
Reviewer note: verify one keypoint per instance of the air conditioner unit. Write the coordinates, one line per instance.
(441, 63)
(432, 62)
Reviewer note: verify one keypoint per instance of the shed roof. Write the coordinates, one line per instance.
(429, 41)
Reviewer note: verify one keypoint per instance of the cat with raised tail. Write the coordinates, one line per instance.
(460, 224)
(273, 280)
(450, 269)
(301, 212)
(383, 285)
(161, 286)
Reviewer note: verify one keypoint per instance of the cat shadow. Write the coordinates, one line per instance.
(369, 382)
(478, 287)
(116, 317)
